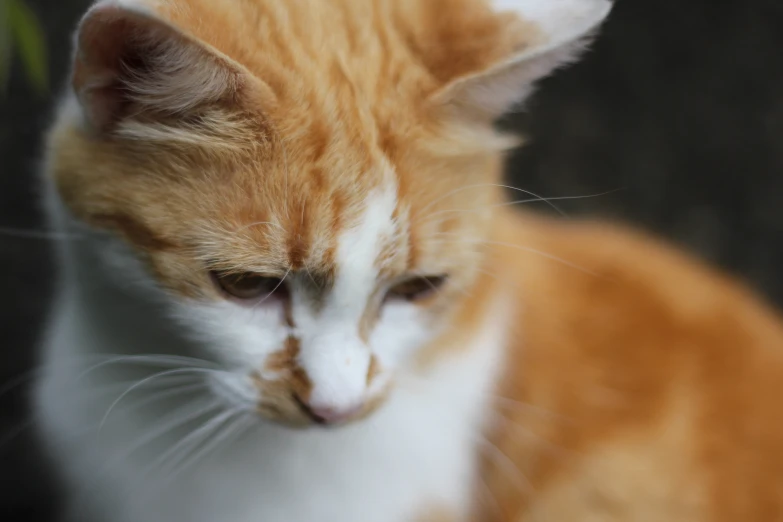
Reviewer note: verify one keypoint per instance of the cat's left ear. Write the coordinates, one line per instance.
(558, 29)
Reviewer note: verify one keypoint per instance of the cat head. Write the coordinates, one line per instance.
(308, 184)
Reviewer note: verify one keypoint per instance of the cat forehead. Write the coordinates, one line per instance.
(306, 227)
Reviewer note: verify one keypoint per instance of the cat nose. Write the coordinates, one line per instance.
(329, 415)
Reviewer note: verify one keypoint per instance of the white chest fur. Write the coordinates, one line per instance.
(416, 452)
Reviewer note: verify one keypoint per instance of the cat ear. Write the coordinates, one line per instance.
(130, 62)
(561, 29)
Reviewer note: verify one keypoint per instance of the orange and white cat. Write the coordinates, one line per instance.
(295, 292)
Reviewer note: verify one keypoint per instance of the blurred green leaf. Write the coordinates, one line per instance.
(5, 45)
(30, 40)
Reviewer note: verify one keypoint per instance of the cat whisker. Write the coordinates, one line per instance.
(550, 447)
(37, 372)
(151, 360)
(257, 224)
(233, 428)
(525, 408)
(520, 481)
(439, 290)
(11, 434)
(95, 393)
(179, 419)
(544, 444)
(511, 470)
(188, 386)
(162, 383)
(173, 424)
(522, 248)
(497, 512)
(142, 383)
(509, 204)
(19, 381)
(316, 284)
(21, 233)
(174, 456)
(270, 294)
(28, 422)
(497, 277)
(490, 185)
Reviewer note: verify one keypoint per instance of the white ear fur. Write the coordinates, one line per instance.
(129, 61)
(564, 26)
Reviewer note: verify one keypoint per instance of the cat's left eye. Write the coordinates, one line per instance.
(417, 288)
(248, 286)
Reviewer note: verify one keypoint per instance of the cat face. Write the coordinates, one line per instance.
(309, 185)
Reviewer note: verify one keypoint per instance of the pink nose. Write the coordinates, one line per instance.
(327, 415)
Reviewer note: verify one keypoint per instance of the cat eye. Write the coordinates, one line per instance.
(249, 286)
(416, 289)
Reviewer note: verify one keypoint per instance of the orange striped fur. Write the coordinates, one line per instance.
(637, 385)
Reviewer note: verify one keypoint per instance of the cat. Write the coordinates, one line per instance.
(295, 289)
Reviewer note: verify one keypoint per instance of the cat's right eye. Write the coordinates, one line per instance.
(416, 289)
(249, 286)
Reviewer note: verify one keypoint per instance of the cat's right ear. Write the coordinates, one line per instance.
(129, 62)
(553, 34)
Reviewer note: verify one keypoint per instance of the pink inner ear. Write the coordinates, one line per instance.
(107, 52)
(129, 63)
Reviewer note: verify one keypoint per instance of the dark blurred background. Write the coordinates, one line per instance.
(678, 109)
